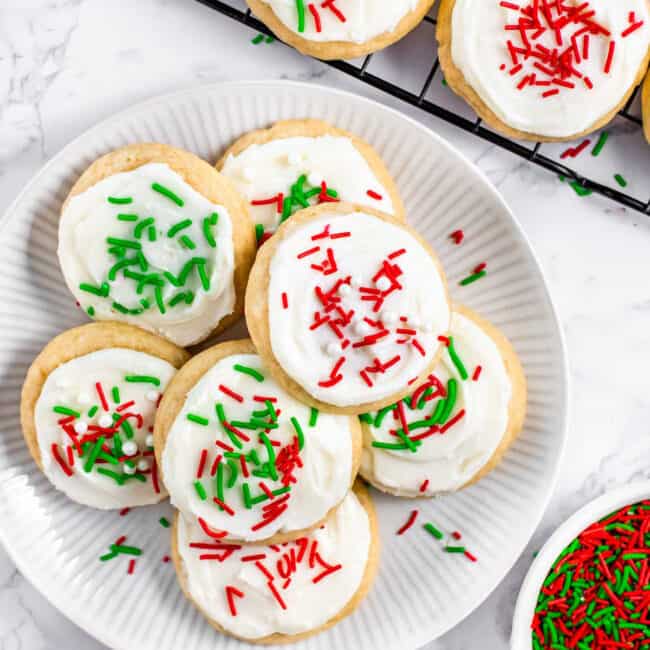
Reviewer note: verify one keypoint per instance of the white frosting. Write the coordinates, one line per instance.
(310, 356)
(361, 20)
(89, 219)
(72, 385)
(479, 49)
(344, 540)
(326, 457)
(449, 459)
(263, 171)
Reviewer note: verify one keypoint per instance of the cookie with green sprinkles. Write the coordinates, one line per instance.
(298, 163)
(243, 457)
(87, 410)
(340, 29)
(156, 237)
(455, 426)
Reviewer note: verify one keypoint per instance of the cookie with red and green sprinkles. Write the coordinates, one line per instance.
(298, 163)
(269, 593)
(243, 458)
(340, 29)
(87, 410)
(156, 237)
(597, 592)
(455, 426)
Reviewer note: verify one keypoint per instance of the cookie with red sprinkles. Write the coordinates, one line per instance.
(597, 592)
(281, 593)
(242, 457)
(340, 29)
(544, 70)
(87, 410)
(456, 425)
(346, 305)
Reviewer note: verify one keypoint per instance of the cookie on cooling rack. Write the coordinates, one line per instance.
(298, 163)
(281, 594)
(645, 103)
(340, 29)
(345, 305)
(245, 459)
(87, 411)
(549, 71)
(156, 237)
(457, 424)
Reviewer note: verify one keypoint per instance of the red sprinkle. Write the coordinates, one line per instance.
(610, 57)
(131, 567)
(477, 373)
(457, 236)
(231, 393)
(124, 511)
(210, 532)
(224, 505)
(102, 397)
(285, 301)
(231, 592)
(409, 522)
(469, 556)
(202, 460)
(424, 486)
(59, 459)
(316, 15)
(374, 195)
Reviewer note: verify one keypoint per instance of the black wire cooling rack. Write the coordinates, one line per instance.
(530, 152)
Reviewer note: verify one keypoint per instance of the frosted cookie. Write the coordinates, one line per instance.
(242, 457)
(544, 71)
(298, 163)
(645, 104)
(87, 410)
(456, 425)
(154, 236)
(345, 305)
(281, 594)
(340, 29)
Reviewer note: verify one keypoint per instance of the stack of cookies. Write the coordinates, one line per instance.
(358, 364)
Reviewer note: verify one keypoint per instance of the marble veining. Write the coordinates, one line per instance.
(67, 64)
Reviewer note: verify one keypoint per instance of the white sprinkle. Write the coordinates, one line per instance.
(105, 421)
(130, 448)
(149, 440)
(383, 283)
(333, 349)
(83, 398)
(388, 317)
(152, 395)
(80, 427)
(128, 469)
(143, 464)
(362, 328)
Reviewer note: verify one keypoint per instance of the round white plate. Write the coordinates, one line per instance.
(420, 591)
(521, 638)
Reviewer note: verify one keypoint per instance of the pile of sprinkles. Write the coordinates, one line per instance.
(315, 11)
(430, 410)
(278, 563)
(119, 548)
(151, 285)
(597, 593)
(252, 463)
(102, 439)
(556, 69)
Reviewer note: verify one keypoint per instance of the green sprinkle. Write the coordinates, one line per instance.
(313, 416)
(142, 379)
(102, 291)
(249, 371)
(450, 402)
(120, 307)
(300, 8)
(161, 189)
(271, 452)
(164, 522)
(118, 478)
(286, 209)
(124, 243)
(366, 417)
(116, 200)
(92, 411)
(200, 490)
(299, 432)
(205, 280)
(112, 273)
(259, 232)
(177, 227)
(92, 457)
(151, 233)
(64, 410)
(246, 494)
(620, 180)
(208, 222)
(270, 39)
(232, 479)
(125, 550)
(389, 445)
(198, 419)
(472, 278)
(432, 530)
(116, 394)
(90, 311)
(454, 549)
(187, 296)
(598, 147)
(157, 292)
(258, 39)
(108, 556)
(145, 223)
(456, 359)
(218, 479)
(579, 189)
(381, 414)
(221, 415)
(127, 217)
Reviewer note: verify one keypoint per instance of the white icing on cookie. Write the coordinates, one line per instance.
(450, 451)
(313, 590)
(377, 359)
(262, 172)
(356, 21)
(321, 468)
(150, 244)
(479, 49)
(73, 386)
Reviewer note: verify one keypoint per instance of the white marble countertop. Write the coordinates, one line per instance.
(66, 64)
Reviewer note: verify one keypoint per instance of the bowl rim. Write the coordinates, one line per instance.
(629, 494)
